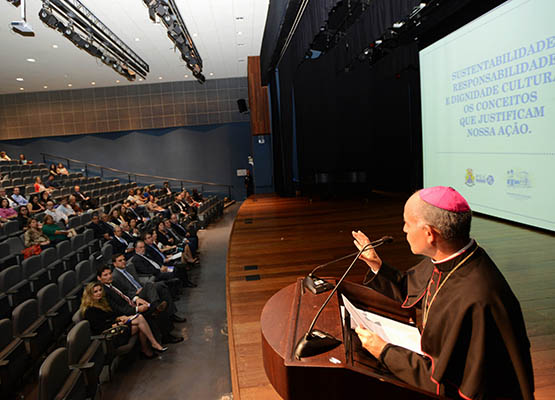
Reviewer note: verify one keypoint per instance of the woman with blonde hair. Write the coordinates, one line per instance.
(96, 309)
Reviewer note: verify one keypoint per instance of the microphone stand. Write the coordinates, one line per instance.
(315, 341)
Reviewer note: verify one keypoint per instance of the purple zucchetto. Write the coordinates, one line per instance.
(444, 197)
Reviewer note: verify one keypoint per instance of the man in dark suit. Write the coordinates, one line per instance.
(124, 305)
(120, 245)
(154, 254)
(146, 266)
(84, 201)
(179, 234)
(126, 279)
(100, 228)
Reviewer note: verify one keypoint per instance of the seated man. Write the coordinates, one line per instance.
(51, 183)
(146, 266)
(126, 279)
(55, 214)
(127, 234)
(18, 198)
(85, 201)
(101, 231)
(473, 334)
(175, 229)
(120, 245)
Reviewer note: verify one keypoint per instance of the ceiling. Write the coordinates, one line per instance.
(225, 33)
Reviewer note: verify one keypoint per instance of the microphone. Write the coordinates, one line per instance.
(317, 285)
(315, 341)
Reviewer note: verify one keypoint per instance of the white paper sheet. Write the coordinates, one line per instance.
(391, 331)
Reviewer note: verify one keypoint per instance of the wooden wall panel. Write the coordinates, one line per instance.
(258, 99)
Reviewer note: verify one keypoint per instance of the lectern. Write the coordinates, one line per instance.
(344, 372)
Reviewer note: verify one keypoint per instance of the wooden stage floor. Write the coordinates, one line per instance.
(286, 237)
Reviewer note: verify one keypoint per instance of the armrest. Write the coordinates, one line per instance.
(33, 279)
(72, 297)
(29, 335)
(87, 365)
(51, 314)
(3, 363)
(11, 291)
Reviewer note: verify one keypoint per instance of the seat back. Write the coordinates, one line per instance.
(11, 228)
(47, 298)
(63, 248)
(66, 283)
(23, 316)
(48, 256)
(10, 277)
(107, 253)
(78, 341)
(15, 243)
(31, 266)
(83, 271)
(53, 374)
(6, 333)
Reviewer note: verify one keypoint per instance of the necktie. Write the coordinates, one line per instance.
(159, 252)
(131, 279)
(122, 240)
(123, 296)
(151, 261)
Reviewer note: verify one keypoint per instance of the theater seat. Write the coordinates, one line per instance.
(35, 273)
(14, 360)
(53, 265)
(70, 290)
(17, 288)
(32, 328)
(55, 309)
(81, 350)
(57, 381)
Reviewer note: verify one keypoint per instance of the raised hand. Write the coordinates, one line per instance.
(369, 256)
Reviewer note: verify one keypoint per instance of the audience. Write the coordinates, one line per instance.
(74, 206)
(18, 198)
(6, 211)
(39, 187)
(3, 195)
(34, 235)
(120, 245)
(96, 309)
(55, 213)
(23, 160)
(53, 231)
(53, 170)
(34, 205)
(44, 197)
(61, 170)
(50, 183)
(65, 209)
(85, 202)
(100, 228)
(23, 217)
(4, 156)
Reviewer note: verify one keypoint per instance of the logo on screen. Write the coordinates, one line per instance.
(469, 179)
(518, 179)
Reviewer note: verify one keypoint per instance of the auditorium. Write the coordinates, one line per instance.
(277, 199)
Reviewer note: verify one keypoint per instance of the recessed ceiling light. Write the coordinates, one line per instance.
(140, 79)
(117, 81)
(69, 85)
(54, 46)
(31, 60)
(186, 76)
(239, 33)
(137, 39)
(45, 87)
(21, 88)
(160, 78)
(19, 79)
(239, 18)
(211, 74)
(93, 83)
(195, 34)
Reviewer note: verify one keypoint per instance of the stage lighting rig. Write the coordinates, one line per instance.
(169, 15)
(87, 32)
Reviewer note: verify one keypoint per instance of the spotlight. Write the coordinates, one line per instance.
(48, 18)
(200, 77)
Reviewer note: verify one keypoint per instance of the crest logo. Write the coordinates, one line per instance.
(469, 179)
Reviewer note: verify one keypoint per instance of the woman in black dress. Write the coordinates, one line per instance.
(96, 310)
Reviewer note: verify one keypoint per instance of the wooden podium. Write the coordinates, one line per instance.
(347, 371)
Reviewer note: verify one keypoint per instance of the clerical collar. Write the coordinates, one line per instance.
(456, 254)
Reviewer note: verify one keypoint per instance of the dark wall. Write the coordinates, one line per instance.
(205, 153)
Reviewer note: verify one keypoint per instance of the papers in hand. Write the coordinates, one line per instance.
(175, 256)
(391, 331)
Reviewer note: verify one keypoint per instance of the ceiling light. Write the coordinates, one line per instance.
(117, 81)
(93, 83)
(45, 87)
(54, 46)
(140, 79)
(21, 88)
(69, 85)
(195, 34)
(399, 24)
(19, 79)
(186, 76)
(137, 39)
(211, 74)
(160, 77)
(239, 33)
(379, 41)
(31, 60)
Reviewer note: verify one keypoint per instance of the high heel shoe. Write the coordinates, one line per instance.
(163, 349)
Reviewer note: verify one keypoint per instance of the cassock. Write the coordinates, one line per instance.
(474, 338)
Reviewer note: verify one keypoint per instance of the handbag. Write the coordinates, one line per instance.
(115, 331)
(33, 250)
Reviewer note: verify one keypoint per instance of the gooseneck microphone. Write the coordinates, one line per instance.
(317, 285)
(315, 341)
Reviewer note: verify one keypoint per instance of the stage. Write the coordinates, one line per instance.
(275, 240)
